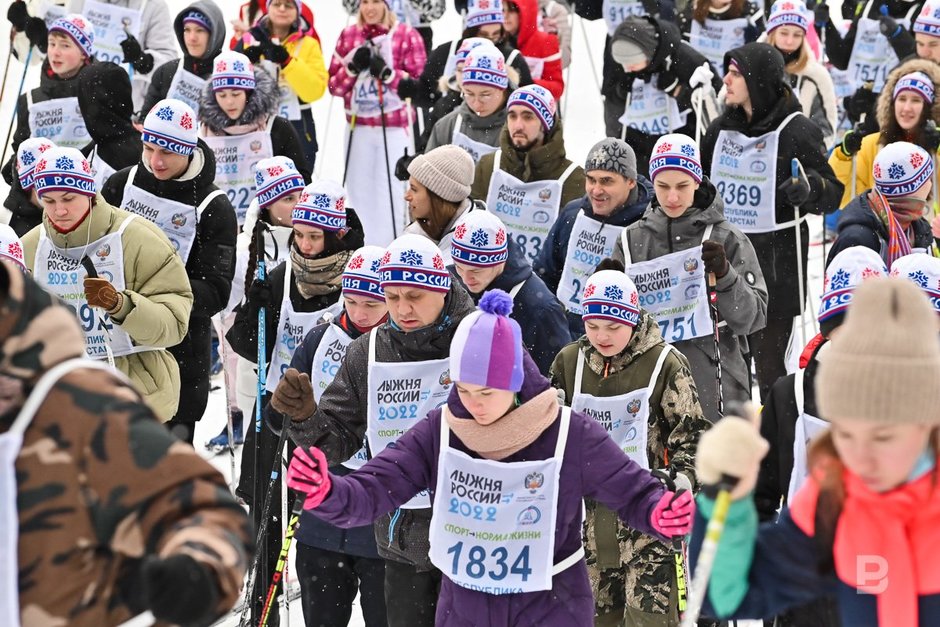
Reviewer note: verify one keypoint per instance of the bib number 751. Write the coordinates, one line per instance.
(477, 562)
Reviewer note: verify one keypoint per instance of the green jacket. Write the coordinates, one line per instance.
(157, 298)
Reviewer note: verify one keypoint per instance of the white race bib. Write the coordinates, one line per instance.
(59, 120)
(806, 429)
(235, 158)
(474, 148)
(716, 37)
(113, 24)
(650, 110)
(365, 98)
(186, 87)
(872, 55)
(616, 11)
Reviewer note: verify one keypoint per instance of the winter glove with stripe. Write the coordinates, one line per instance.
(309, 473)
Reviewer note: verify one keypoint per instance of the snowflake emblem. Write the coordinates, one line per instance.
(165, 114)
(916, 160)
(220, 66)
(839, 280)
(634, 299)
(79, 22)
(895, 171)
(500, 237)
(41, 165)
(44, 147)
(238, 66)
(356, 262)
(186, 122)
(15, 250)
(438, 262)
(500, 64)
(411, 258)
(64, 163)
(386, 258)
(484, 63)
(877, 171)
(319, 201)
(460, 231)
(86, 167)
(920, 278)
(259, 179)
(375, 265)
(484, 4)
(664, 147)
(589, 290)
(936, 13)
(687, 150)
(613, 292)
(787, 6)
(479, 238)
(868, 273)
(340, 203)
(275, 171)
(28, 158)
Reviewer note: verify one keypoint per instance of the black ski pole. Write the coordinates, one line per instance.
(713, 308)
(6, 142)
(388, 171)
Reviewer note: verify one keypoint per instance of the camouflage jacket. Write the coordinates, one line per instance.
(100, 483)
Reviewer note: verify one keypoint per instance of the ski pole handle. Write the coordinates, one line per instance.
(89, 267)
(795, 170)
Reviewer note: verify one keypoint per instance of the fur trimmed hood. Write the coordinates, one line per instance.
(886, 100)
(262, 104)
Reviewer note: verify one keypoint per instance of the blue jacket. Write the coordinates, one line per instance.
(551, 259)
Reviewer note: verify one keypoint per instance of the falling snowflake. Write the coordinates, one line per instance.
(64, 163)
(839, 280)
(386, 258)
(275, 171)
(356, 262)
(613, 292)
(238, 66)
(186, 122)
(27, 158)
(589, 290)
(916, 159)
(460, 231)
(868, 273)
(896, 171)
(500, 237)
(688, 150)
(664, 147)
(165, 114)
(438, 262)
(15, 250)
(920, 278)
(479, 238)
(411, 257)
(375, 264)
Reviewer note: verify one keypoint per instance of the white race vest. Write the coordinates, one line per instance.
(365, 98)
(474, 148)
(872, 55)
(288, 105)
(716, 37)
(806, 429)
(60, 271)
(59, 120)
(177, 220)
(616, 11)
(401, 394)
(292, 328)
(625, 417)
(590, 242)
(186, 87)
(651, 110)
(235, 158)
(493, 526)
(112, 25)
(672, 288)
(100, 168)
(527, 209)
(744, 171)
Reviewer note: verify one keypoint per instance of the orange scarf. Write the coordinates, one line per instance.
(899, 530)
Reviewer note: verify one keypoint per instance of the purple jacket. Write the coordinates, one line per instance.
(593, 466)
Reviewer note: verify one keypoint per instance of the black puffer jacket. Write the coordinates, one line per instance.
(210, 266)
(25, 215)
(104, 97)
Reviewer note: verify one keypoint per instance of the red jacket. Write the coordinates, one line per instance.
(538, 47)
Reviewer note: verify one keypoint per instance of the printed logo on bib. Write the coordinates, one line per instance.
(112, 25)
(673, 293)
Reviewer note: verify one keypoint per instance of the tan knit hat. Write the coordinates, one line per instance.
(884, 363)
(447, 171)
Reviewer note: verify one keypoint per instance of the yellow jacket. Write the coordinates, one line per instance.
(306, 72)
(864, 161)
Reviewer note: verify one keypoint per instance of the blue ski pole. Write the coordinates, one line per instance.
(6, 142)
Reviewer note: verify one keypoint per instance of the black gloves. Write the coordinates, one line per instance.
(821, 14)
(401, 166)
(889, 27)
(277, 54)
(179, 589)
(862, 102)
(254, 53)
(379, 69)
(667, 82)
(360, 60)
(795, 190)
(18, 15)
(37, 33)
(716, 261)
(931, 137)
(407, 88)
(259, 294)
(135, 55)
(852, 142)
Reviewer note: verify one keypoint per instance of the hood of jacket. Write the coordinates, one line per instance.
(667, 48)
(646, 336)
(772, 99)
(538, 163)
(885, 109)
(37, 330)
(489, 123)
(706, 208)
(216, 36)
(528, 20)
(104, 97)
(262, 103)
(432, 341)
(533, 384)
(198, 176)
(517, 270)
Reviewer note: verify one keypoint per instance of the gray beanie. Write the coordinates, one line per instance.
(447, 171)
(634, 37)
(612, 155)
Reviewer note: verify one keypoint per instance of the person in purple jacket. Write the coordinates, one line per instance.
(507, 468)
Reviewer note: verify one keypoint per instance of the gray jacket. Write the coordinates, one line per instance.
(339, 423)
(742, 293)
(484, 130)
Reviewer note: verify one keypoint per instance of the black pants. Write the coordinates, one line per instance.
(769, 350)
(411, 596)
(328, 585)
(307, 134)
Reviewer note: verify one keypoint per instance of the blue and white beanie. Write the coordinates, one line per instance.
(924, 271)
(275, 178)
(928, 22)
(539, 100)
(485, 65)
(361, 276)
(482, 12)
(322, 204)
(676, 151)
(78, 29)
(480, 240)
(414, 261)
(171, 124)
(64, 170)
(468, 44)
(844, 273)
(27, 155)
(611, 295)
(194, 16)
(901, 168)
(233, 70)
(917, 82)
(788, 13)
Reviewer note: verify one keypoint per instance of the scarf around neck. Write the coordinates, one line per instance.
(317, 277)
(899, 243)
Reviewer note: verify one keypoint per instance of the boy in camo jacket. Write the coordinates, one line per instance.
(115, 515)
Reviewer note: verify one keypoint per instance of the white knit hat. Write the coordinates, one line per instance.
(611, 295)
(480, 240)
(447, 171)
(414, 261)
(322, 204)
(64, 170)
(917, 82)
(901, 168)
(233, 70)
(27, 155)
(10, 246)
(924, 271)
(467, 45)
(485, 65)
(79, 29)
(275, 178)
(171, 124)
(482, 12)
(788, 13)
(844, 273)
(676, 151)
(539, 100)
(361, 276)
(928, 22)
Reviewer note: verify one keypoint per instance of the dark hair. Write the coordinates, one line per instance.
(254, 8)
(442, 212)
(474, 31)
(609, 263)
(892, 131)
(703, 7)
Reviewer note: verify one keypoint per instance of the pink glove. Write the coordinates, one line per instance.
(674, 514)
(308, 473)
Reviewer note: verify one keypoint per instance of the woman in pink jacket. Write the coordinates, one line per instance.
(370, 59)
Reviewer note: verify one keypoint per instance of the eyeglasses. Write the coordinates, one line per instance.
(482, 98)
